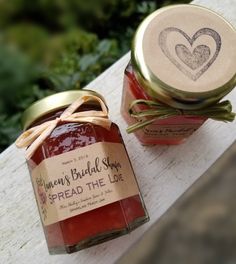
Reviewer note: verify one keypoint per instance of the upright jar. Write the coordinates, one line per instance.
(183, 61)
(83, 181)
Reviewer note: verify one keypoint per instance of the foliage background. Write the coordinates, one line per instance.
(51, 46)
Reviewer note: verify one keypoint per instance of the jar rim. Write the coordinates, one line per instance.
(54, 102)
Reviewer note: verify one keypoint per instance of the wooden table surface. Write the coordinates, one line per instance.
(164, 173)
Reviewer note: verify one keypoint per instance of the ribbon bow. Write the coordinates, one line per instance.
(221, 111)
(34, 137)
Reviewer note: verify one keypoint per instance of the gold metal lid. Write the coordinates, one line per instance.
(52, 103)
(185, 56)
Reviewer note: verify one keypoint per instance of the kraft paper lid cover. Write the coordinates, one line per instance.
(185, 56)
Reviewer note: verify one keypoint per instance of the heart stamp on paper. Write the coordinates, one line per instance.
(194, 59)
(187, 59)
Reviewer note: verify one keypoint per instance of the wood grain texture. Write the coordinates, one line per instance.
(164, 173)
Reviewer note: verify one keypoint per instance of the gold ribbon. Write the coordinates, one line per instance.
(34, 137)
(221, 111)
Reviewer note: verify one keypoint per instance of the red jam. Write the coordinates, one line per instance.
(98, 225)
(168, 131)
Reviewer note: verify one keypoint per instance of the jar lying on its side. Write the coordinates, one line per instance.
(82, 177)
(178, 73)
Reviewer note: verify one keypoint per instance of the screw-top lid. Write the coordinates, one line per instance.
(54, 102)
(185, 56)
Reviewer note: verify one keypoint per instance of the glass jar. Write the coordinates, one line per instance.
(177, 65)
(86, 193)
(169, 131)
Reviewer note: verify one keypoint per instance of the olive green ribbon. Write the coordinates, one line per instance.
(221, 111)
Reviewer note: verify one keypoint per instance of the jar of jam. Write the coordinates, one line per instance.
(83, 181)
(183, 62)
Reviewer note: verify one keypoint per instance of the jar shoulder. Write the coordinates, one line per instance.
(69, 136)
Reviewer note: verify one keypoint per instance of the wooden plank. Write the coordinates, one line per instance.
(163, 172)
